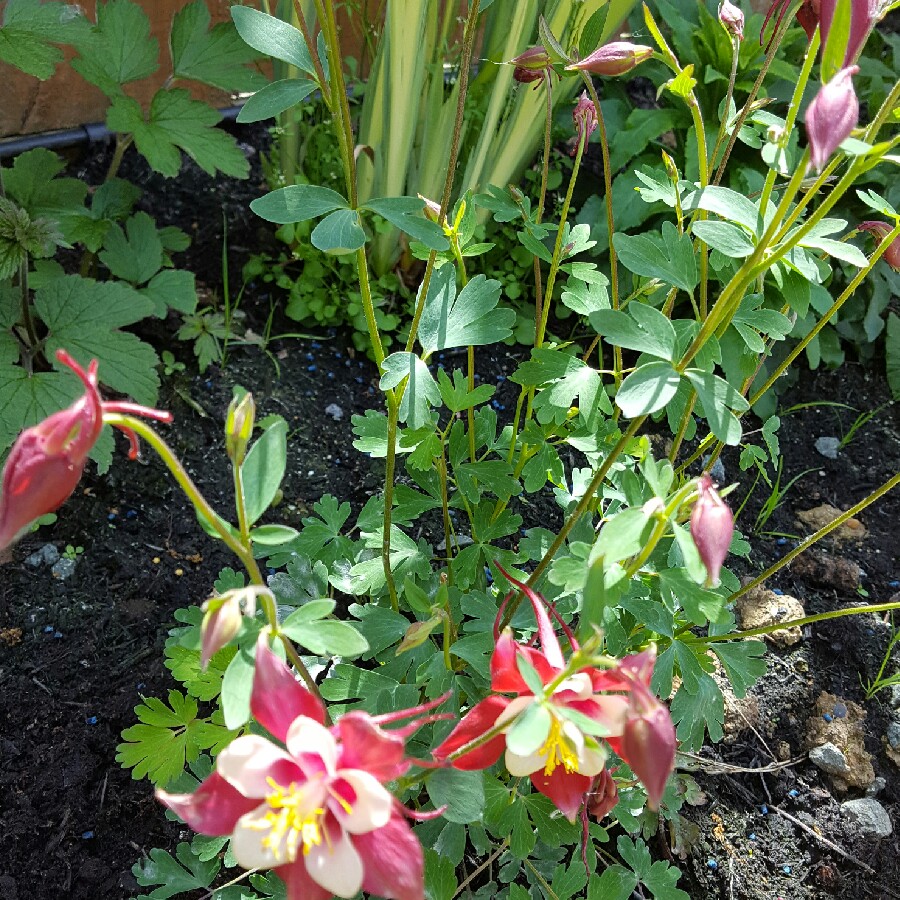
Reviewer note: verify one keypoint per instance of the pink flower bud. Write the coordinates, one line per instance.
(585, 117)
(532, 65)
(712, 526)
(881, 230)
(648, 743)
(222, 619)
(616, 58)
(831, 116)
(602, 796)
(431, 209)
(732, 19)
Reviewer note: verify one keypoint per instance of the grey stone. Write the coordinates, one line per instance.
(461, 540)
(893, 696)
(46, 556)
(828, 447)
(893, 735)
(870, 817)
(717, 472)
(335, 411)
(830, 759)
(63, 568)
(876, 787)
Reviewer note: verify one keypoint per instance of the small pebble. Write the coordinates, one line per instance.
(140, 686)
(786, 870)
(131, 514)
(894, 584)
(311, 367)
(751, 836)
(49, 629)
(828, 717)
(793, 793)
(712, 864)
(90, 720)
(781, 541)
(777, 592)
(828, 447)
(331, 375)
(840, 710)
(87, 835)
(316, 345)
(764, 809)
(111, 517)
(57, 635)
(310, 357)
(335, 411)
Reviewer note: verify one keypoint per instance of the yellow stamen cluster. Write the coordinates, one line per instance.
(290, 824)
(558, 749)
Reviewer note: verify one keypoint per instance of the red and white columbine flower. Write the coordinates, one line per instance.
(563, 754)
(47, 460)
(316, 810)
(881, 230)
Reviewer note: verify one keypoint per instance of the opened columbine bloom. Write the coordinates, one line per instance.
(881, 230)
(615, 58)
(831, 117)
(712, 526)
(46, 461)
(550, 729)
(315, 810)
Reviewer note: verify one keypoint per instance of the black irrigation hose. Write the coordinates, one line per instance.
(93, 133)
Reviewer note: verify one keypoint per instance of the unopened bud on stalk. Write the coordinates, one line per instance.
(712, 525)
(602, 796)
(432, 209)
(732, 19)
(648, 743)
(881, 230)
(531, 65)
(831, 117)
(222, 617)
(612, 59)
(239, 427)
(585, 117)
(671, 168)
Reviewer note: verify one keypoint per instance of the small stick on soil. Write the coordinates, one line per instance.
(715, 767)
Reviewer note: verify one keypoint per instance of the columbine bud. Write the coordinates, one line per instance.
(616, 58)
(222, 618)
(732, 19)
(239, 427)
(602, 796)
(712, 526)
(431, 209)
(648, 743)
(881, 230)
(585, 117)
(531, 65)
(671, 168)
(831, 116)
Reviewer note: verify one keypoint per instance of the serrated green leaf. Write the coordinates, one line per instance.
(643, 328)
(22, 238)
(440, 876)
(699, 712)
(119, 49)
(28, 29)
(176, 122)
(216, 56)
(469, 318)
(188, 873)
(728, 239)
(172, 289)
(135, 254)
(32, 181)
(744, 662)
(461, 792)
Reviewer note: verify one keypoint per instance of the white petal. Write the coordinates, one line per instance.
(579, 683)
(518, 766)
(514, 708)
(247, 842)
(372, 807)
(337, 867)
(591, 762)
(246, 763)
(307, 736)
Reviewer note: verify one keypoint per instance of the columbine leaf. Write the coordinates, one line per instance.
(32, 182)
(263, 469)
(469, 318)
(648, 388)
(176, 121)
(669, 256)
(188, 873)
(643, 328)
(216, 57)
(406, 214)
(744, 661)
(694, 713)
(297, 203)
(273, 37)
(734, 242)
(119, 48)
(718, 398)
(421, 391)
(275, 98)
(339, 232)
(461, 792)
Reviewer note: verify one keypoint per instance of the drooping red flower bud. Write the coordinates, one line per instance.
(881, 230)
(602, 796)
(613, 59)
(46, 461)
(831, 116)
(585, 117)
(712, 526)
(532, 65)
(732, 19)
(648, 743)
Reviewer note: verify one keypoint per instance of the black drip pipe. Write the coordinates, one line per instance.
(93, 133)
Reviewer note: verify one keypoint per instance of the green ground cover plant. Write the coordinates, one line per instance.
(436, 674)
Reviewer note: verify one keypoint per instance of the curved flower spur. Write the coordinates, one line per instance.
(551, 728)
(313, 806)
(47, 460)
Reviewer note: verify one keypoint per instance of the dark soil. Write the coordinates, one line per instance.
(77, 655)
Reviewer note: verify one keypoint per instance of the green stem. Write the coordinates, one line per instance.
(313, 50)
(729, 97)
(682, 427)
(191, 491)
(27, 318)
(123, 142)
(393, 405)
(793, 623)
(362, 271)
(822, 532)
(884, 111)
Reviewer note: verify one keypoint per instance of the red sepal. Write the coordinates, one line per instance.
(480, 719)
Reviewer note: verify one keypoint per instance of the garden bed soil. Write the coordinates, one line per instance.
(77, 655)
